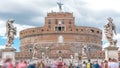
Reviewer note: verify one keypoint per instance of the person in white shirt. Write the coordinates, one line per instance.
(113, 63)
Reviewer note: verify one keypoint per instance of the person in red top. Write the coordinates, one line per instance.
(102, 65)
(20, 64)
(8, 63)
(105, 64)
(60, 64)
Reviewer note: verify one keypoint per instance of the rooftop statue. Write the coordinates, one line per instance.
(60, 6)
(110, 31)
(10, 32)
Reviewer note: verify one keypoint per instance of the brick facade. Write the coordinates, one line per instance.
(60, 30)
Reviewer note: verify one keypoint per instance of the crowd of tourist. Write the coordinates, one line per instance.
(111, 63)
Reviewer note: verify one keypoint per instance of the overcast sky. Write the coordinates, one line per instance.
(31, 13)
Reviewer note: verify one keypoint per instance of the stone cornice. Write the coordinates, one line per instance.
(111, 48)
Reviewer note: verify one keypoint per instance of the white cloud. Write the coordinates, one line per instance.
(38, 19)
(2, 28)
(99, 5)
(2, 46)
(105, 45)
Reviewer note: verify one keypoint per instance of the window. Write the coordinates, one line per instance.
(70, 22)
(56, 21)
(81, 29)
(33, 31)
(49, 26)
(62, 21)
(92, 30)
(56, 29)
(49, 22)
(62, 28)
(59, 28)
(97, 31)
(42, 30)
(76, 29)
(59, 51)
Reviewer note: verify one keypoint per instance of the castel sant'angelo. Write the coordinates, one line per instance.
(59, 37)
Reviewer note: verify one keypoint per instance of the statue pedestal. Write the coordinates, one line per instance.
(9, 52)
(84, 58)
(111, 52)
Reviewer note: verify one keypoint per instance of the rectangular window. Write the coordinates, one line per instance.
(70, 22)
(62, 21)
(56, 21)
(49, 22)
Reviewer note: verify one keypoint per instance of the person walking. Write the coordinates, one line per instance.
(65, 65)
(84, 64)
(89, 64)
(8, 63)
(105, 64)
(71, 65)
(41, 65)
(96, 65)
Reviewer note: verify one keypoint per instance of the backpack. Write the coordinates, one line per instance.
(89, 65)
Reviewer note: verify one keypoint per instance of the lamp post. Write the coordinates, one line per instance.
(79, 58)
(30, 49)
(89, 52)
(71, 56)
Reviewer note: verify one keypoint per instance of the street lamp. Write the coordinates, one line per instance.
(89, 51)
(71, 56)
(30, 49)
(79, 58)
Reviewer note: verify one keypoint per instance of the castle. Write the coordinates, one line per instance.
(60, 37)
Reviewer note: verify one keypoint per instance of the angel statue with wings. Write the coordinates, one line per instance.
(10, 32)
(110, 31)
